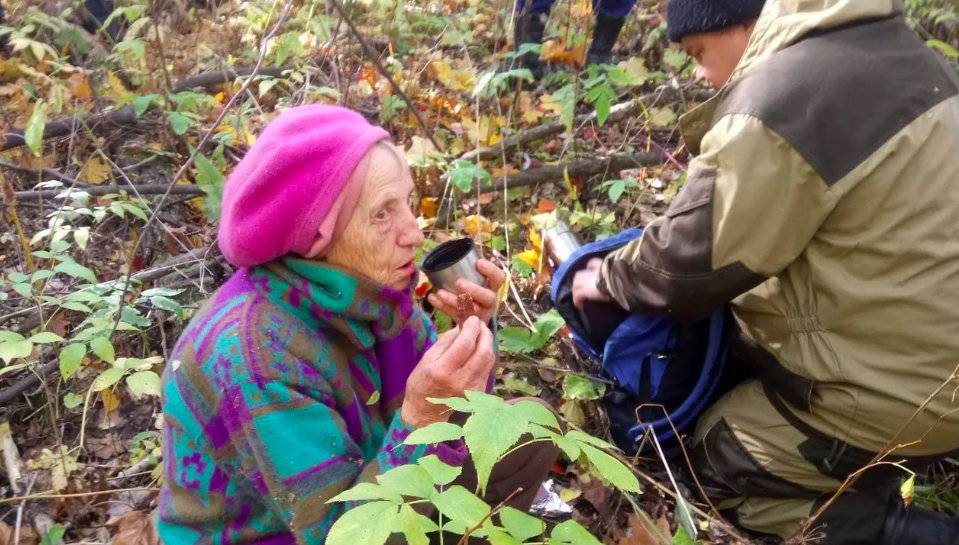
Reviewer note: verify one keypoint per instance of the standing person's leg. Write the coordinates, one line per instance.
(610, 17)
(530, 25)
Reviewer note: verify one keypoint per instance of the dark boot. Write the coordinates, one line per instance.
(96, 13)
(604, 38)
(529, 30)
(918, 526)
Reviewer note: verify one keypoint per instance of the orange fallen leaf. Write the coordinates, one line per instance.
(94, 171)
(558, 52)
(545, 205)
(429, 206)
(135, 528)
(79, 86)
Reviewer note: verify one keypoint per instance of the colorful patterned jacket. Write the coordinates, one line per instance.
(282, 392)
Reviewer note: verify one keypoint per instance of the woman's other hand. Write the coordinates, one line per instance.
(460, 360)
(484, 299)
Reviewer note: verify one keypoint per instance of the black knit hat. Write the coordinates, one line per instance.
(685, 17)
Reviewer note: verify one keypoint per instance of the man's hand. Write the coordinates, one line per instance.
(461, 360)
(482, 299)
(584, 284)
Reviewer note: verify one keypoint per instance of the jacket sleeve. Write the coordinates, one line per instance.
(749, 207)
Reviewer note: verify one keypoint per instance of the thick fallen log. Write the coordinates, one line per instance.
(580, 168)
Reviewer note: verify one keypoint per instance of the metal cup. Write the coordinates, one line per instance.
(560, 242)
(450, 261)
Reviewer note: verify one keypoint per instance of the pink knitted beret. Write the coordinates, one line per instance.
(289, 182)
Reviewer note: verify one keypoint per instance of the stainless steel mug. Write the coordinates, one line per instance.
(560, 242)
(450, 261)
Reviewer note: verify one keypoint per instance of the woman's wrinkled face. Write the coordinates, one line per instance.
(382, 236)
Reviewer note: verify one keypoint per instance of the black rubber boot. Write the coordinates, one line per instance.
(96, 13)
(917, 526)
(529, 29)
(604, 38)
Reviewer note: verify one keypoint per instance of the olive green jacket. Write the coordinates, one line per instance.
(823, 203)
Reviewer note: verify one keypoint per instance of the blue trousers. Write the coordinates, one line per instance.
(610, 8)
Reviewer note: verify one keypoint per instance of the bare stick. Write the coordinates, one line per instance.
(99, 190)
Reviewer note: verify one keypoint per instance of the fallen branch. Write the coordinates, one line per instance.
(43, 172)
(216, 77)
(66, 125)
(617, 113)
(580, 168)
(99, 190)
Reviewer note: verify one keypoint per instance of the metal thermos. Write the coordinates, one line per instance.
(450, 261)
(560, 242)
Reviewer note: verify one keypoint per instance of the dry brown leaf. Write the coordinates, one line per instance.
(79, 86)
(639, 532)
(27, 535)
(527, 109)
(94, 171)
(557, 51)
(135, 528)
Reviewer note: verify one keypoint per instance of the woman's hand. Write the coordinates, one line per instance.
(483, 298)
(461, 360)
(584, 284)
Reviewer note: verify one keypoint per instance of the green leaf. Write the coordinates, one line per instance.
(142, 102)
(908, 490)
(14, 346)
(211, 181)
(131, 316)
(435, 433)
(179, 122)
(489, 433)
(461, 505)
(72, 400)
(408, 480)
(415, 526)
(107, 378)
(464, 173)
(54, 535)
(366, 491)
(33, 133)
(499, 537)
(441, 472)
(566, 96)
(580, 387)
(367, 524)
(70, 357)
(103, 348)
(948, 50)
(528, 411)
(611, 469)
(23, 290)
(520, 525)
(45, 337)
(682, 537)
(79, 307)
(165, 303)
(580, 437)
(144, 383)
(165, 292)
(522, 267)
(602, 98)
(76, 270)
(571, 532)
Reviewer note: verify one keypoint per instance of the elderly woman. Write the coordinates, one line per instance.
(305, 372)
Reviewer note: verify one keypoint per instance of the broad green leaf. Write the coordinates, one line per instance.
(135, 210)
(435, 433)
(415, 526)
(520, 525)
(45, 337)
(569, 448)
(602, 97)
(464, 173)
(72, 400)
(547, 324)
(481, 400)
(167, 304)
(366, 491)
(132, 316)
(79, 307)
(570, 532)
(523, 269)
(14, 346)
(107, 378)
(144, 383)
(70, 357)
(408, 480)
(179, 122)
(580, 387)
(533, 411)
(165, 292)
(367, 524)
(489, 434)
(611, 469)
(499, 537)
(441, 472)
(462, 505)
(456, 403)
(23, 289)
(578, 436)
(33, 133)
(76, 270)
(142, 102)
(103, 348)
(17, 276)
(518, 340)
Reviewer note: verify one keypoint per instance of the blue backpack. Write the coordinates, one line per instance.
(656, 363)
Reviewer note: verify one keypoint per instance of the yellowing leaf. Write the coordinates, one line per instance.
(536, 240)
(530, 257)
(111, 401)
(79, 86)
(94, 171)
(908, 490)
(429, 207)
(662, 117)
(526, 108)
(451, 78)
(477, 225)
(117, 89)
(558, 52)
